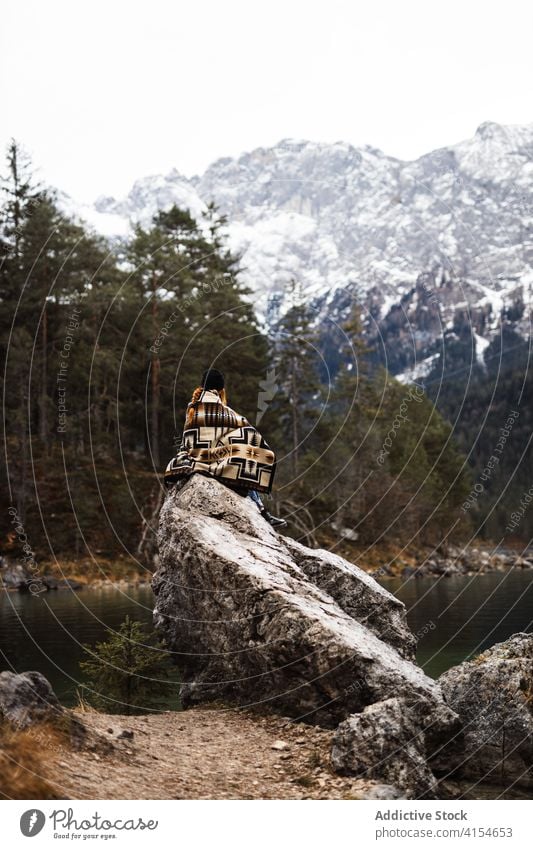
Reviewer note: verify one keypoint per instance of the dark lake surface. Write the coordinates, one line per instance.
(458, 617)
(455, 618)
(46, 632)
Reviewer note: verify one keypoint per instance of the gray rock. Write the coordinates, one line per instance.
(238, 605)
(382, 792)
(15, 576)
(386, 743)
(493, 695)
(26, 698)
(358, 594)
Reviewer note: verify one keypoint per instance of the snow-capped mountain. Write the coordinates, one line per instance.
(425, 245)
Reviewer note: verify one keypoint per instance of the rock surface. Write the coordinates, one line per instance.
(385, 742)
(254, 618)
(493, 695)
(27, 698)
(362, 599)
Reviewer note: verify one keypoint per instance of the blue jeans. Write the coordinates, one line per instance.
(256, 497)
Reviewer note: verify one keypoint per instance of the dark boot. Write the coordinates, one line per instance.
(273, 520)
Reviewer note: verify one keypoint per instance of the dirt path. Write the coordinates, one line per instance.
(201, 754)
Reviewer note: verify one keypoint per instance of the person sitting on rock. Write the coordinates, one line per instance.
(218, 441)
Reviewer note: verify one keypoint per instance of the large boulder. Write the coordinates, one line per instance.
(27, 698)
(493, 696)
(254, 618)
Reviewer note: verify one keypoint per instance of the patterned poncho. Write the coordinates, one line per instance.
(220, 442)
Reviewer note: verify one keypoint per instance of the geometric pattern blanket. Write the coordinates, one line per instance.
(219, 442)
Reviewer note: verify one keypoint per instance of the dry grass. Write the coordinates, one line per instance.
(22, 759)
(82, 705)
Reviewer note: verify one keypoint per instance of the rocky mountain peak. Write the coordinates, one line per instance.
(489, 130)
(346, 220)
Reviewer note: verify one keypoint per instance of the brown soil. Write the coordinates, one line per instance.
(200, 753)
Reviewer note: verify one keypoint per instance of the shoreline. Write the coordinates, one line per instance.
(74, 575)
(386, 562)
(477, 558)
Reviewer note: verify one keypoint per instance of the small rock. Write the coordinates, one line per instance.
(26, 698)
(383, 791)
(279, 745)
(125, 735)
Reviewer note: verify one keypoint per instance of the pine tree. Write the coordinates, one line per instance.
(128, 673)
(296, 361)
(186, 283)
(347, 434)
(21, 195)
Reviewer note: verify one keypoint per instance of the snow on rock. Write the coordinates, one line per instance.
(336, 217)
(420, 369)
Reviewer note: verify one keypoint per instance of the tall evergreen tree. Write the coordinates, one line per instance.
(297, 361)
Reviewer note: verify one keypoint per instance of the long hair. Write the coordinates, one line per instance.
(194, 398)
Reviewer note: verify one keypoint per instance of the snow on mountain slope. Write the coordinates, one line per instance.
(448, 234)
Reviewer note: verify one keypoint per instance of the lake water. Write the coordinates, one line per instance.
(455, 618)
(458, 617)
(46, 632)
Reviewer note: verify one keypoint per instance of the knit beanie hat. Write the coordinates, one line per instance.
(212, 379)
